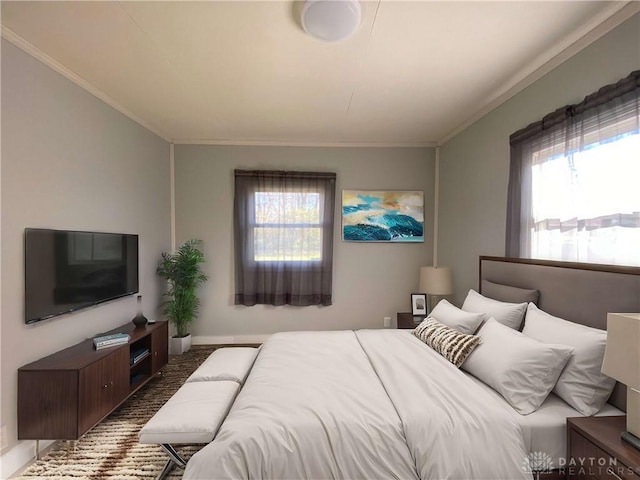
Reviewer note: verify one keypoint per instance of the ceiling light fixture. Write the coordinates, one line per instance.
(330, 20)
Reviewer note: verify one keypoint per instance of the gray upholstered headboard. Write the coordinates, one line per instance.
(579, 292)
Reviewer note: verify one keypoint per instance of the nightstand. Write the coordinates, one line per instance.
(596, 451)
(408, 320)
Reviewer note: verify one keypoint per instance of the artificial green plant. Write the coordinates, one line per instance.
(182, 271)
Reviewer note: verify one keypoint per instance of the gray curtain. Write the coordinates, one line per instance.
(609, 113)
(283, 237)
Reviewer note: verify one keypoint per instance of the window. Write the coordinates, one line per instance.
(287, 226)
(283, 237)
(574, 190)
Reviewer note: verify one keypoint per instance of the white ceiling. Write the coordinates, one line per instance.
(246, 73)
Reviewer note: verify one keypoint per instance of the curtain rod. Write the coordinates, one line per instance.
(283, 173)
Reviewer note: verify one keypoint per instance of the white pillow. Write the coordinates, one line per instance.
(520, 368)
(509, 314)
(453, 317)
(581, 384)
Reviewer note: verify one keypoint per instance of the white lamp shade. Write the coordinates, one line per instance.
(330, 20)
(622, 354)
(436, 280)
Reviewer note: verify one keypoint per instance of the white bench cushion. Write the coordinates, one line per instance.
(232, 363)
(193, 415)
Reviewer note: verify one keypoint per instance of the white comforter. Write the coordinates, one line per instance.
(366, 404)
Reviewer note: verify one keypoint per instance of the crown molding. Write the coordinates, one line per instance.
(577, 40)
(573, 43)
(39, 55)
(298, 143)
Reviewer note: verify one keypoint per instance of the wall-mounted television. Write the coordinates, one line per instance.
(67, 270)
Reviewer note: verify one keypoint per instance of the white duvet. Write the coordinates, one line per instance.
(361, 405)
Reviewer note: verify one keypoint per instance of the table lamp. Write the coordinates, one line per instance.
(622, 362)
(435, 282)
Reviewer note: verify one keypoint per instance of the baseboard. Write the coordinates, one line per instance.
(19, 456)
(228, 339)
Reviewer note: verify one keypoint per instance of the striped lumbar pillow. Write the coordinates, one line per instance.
(451, 344)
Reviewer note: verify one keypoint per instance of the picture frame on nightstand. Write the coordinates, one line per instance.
(418, 304)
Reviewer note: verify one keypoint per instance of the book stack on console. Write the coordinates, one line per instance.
(106, 341)
(138, 355)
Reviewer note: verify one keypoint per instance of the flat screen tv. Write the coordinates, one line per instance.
(66, 270)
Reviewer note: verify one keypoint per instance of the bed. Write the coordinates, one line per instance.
(382, 404)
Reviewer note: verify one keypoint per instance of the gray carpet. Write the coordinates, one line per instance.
(111, 449)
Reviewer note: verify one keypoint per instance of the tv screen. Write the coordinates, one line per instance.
(66, 271)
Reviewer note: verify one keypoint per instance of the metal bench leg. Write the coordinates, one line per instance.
(173, 455)
(174, 459)
(166, 469)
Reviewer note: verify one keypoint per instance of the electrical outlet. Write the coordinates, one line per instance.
(387, 322)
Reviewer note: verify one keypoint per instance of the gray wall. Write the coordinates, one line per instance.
(474, 165)
(70, 161)
(370, 280)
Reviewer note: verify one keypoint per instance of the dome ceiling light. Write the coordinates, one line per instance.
(330, 20)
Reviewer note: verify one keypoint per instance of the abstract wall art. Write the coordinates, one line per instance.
(382, 216)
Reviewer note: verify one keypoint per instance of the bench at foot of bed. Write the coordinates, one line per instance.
(196, 411)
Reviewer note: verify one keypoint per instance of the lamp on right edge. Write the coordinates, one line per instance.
(622, 362)
(435, 282)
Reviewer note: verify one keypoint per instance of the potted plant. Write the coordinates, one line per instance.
(182, 271)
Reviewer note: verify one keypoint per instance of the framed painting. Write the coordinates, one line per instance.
(382, 216)
(418, 304)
